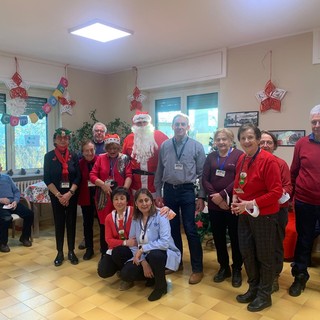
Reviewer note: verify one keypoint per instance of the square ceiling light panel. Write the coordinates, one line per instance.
(100, 31)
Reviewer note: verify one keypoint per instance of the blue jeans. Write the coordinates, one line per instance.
(181, 199)
(307, 216)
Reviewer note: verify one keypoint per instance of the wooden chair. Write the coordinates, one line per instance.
(24, 201)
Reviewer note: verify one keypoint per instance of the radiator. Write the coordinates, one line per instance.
(22, 185)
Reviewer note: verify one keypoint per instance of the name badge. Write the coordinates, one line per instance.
(65, 184)
(238, 190)
(220, 173)
(90, 184)
(178, 166)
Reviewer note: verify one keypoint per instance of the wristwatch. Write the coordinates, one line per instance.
(71, 191)
(140, 248)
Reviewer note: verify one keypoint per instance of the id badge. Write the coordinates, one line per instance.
(238, 190)
(90, 184)
(220, 173)
(178, 166)
(65, 185)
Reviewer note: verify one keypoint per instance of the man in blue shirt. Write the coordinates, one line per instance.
(9, 203)
(181, 161)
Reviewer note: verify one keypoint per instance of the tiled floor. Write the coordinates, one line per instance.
(32, 288)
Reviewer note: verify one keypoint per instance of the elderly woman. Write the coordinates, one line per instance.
(86, 194)
(305, 177)
(257, 189)
(155, 250)
(62, 176)
(269, 143)
(217, 179)
(111, 169)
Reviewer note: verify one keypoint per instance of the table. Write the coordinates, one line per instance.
(37, 193)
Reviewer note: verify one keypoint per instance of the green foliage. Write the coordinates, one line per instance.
(117, 126)
(203, 224)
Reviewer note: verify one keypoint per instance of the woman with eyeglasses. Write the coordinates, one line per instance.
(257, 189)
(305, 177)
(217, 179)
(269, 143)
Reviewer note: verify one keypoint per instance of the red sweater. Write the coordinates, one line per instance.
(305, 171)
(285, 179)
(263, 182)
(111, 234)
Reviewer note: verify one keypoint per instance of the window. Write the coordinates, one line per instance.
(25, 146)
(202, 109)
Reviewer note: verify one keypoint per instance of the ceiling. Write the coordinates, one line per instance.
(164, 30)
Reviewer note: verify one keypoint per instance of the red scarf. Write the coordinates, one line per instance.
(63, 159)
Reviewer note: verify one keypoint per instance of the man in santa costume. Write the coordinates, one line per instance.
(142, 146)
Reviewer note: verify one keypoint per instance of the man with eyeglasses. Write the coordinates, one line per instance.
(269, 143)
(305, 177)
(181, 161)
(99, 131)
(9, 204)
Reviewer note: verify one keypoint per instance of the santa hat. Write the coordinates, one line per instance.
(141, 116)
(112, 138)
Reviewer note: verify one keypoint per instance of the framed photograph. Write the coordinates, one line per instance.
(236, 119)
(288, 138)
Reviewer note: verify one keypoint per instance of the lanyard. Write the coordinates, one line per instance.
(175, 149)
(144, 229)
(225, 160)
(251, 161)
(113, 162)
(124, 221)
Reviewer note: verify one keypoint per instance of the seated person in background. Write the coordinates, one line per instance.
(9, 203)
(156, 249)
(117, 228)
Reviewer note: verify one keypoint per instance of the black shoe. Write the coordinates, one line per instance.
(25, 242)
(150, 282)
(59, 259)
(88, 254)
(4, 248)
(275, 285)
(73, 258)
(298, 285)
(222, 274)
(247, 297)
(236, 278)
(156, 294)
(259, 304)
(82, 245)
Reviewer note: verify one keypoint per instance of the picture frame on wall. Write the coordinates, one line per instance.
(236, 119)
(288, 138)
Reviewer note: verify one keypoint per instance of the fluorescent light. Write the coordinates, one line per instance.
(100, 31)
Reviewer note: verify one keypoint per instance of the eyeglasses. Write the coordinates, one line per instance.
(269, 143)
(97, 130)
(315, 122)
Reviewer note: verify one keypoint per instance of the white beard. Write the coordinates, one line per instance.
(144, 143)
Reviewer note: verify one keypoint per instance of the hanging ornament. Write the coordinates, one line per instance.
(16, 106)
(270, 97)
(66, 103)
(136, 98)
(63, 96)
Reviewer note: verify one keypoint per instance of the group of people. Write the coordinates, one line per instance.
(142, 195)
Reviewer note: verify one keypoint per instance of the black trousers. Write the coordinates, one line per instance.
(257, 237)
(88, 213)
(65, 218)
(221, 221)
(157, 260)
(5, 221)
(281, 232)
(110, 264)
